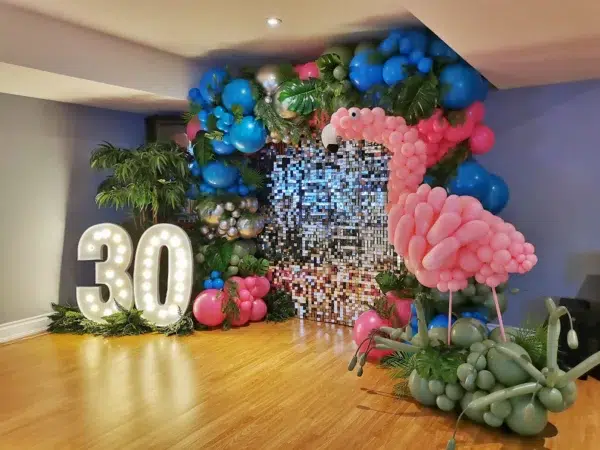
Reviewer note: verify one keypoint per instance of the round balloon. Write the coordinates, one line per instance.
(244, 316)
(208, 307)
(497, 196)
(393, 70)
(218, 175)
(249, 135)
(239, 92)
(471, 179)
(259, 310)
(282, 106)
(221, 148)
(463, 86)
(211, 84)
(269, 77)
(363, 326)
(192, 127)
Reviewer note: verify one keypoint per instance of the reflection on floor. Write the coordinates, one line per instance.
(265, 386)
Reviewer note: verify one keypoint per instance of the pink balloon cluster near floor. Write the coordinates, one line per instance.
(208, 306)
(401, 311)
(446, 239)
(407, 165)
(366, 323)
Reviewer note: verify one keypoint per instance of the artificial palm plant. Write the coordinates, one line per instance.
(151, 179)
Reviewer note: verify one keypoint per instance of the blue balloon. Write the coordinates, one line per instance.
(218, 283)
(215, 274)
(226, 139)
(414, 324)
(361, 59)
(471, 179)
(394, 70)
(227, 119)
(462, 86)
(416, 56)
(211, 84)
(219, 112)
(363, 73)
(208, 284)
(497, 196)
(195, 169)
(439, 49)
(389, 45)
(440, 321)
(233, 190)
(221, 148)
(425, 65)
(239, 92)
(218, 175)
(476, 315)
(221, 125)
(194, 95)
(405, 46)
(249, 135)
(418, 40)
(428, 179)
(483, 89)
(243, 190)
(206, 189)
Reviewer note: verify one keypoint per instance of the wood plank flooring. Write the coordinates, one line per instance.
(265, 386)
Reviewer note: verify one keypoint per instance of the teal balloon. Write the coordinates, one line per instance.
(462, 86)
(497, 196)
(239, 92)
(471, 179)
(218, 175)
(211, 84)
(249, 135)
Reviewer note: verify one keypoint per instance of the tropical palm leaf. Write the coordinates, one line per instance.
(300, 96)
(416, 98)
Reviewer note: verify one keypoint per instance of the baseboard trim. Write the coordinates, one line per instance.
(19, 329)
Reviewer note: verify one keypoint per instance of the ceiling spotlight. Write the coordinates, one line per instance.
(273, 22)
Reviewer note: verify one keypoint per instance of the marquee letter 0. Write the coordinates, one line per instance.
(146, 269)
(112, 272)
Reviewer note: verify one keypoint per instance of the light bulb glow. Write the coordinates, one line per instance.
(97, 236)
(179, 287)
(117, 238)
(108, 312)
(120, 282)
(123, 294)
(162, 314)
(173, 310)
(106, 233)
(94, 308)
(149, 251)
(148, 298)
(175, 241)
(89, 298)
(147, 274)
(91, 247)
(178, 298)
(121, 249)
(119, 259)
(154, 241)
(109, 274)
(273, 22)
(179, 276)
(148, 262)
(164, 235)
(146, 286)
(150, 307)
(181, 264)
(180, 253)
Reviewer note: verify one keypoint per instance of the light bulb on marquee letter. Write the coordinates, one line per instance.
(112, 272)
(145, 273)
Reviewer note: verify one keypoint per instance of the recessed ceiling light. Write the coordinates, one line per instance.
(273, 22)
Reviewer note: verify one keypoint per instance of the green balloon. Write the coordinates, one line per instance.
(485, 380)
(477, 360)
(469, 291)
(244, 247)
(344, 53)
(505, 369)
(569, 393)
(438, 336)
(419, 389)
(437, 387)
(492, 420)
(232, 270)
(467, 331)
(464, 370)
(473, 414)
(482, 289)
(496, 335)
(235, 260)
(445, 403)
(501, 408)
(491, 306)
(340, 73)
(478, 347)
(527, 422)
(454, 391)
(552, 399)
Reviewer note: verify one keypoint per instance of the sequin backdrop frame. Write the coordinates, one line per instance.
(326, 230)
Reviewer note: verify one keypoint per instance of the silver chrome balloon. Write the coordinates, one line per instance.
(229, 206)
(282, 107)
(269, 77)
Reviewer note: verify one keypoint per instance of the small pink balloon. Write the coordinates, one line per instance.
(244, 316)
(245, 295)
(378, 113)
(363, 326)
(261, 287)
(417, 248)
(437, 197)
(411, 136)
(428, 278)
(482, 140)
(239, 282)
(499, 241)
(401, 312)
(480, 278)
(345, 123)
(366, 116)
(192, 128)
(468, 260)
(528, 248)
(502, 256)
(485, 254)
(250, 282)
(476, 112)
(440, 125)
(208, 307)
(259, 310)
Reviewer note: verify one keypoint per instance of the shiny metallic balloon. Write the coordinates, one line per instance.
(210, 237)
(219, 209)
(229, 206)
(282, 107)
(233, 231)
(243, 204)
(250, 227)
(222, 232)
(205, 230)
(232, 221)
(252, 204)
(236, 214)
(223, 224)
(210, 216)
(269, 77)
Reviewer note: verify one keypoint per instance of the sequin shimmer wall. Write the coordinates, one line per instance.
(327, 229)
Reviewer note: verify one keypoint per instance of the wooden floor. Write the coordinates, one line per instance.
(265, 386)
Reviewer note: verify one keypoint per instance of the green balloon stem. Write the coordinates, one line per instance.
(495, 296)
(504, 394)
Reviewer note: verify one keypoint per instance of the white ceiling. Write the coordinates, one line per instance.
(194, 28)
(147, 46)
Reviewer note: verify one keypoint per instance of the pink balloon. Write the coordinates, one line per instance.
(482, 140)
(394, 215)
(437, 255)
(436, 198)
(245, 295)
(239, 282)
(308, 70)
(367, 322)
(192, 128)
(476, 112)
(485, 254)
(472, 231)
(444, 226)
(468, 260)
(244, 317)
(404, 231)
(208, 307)
(401, 312)
(417, 248)
(250, 282)
(428, 278)
(259, 310)
(261, 287)
(423, 218)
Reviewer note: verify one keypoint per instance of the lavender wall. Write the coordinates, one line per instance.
(547, 149)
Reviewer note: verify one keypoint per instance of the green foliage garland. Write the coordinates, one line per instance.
(251, 265)
(280, 306)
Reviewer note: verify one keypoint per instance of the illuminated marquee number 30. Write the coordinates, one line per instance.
(113, 272)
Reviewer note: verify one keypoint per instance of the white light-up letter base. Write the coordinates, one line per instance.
(112, 272)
